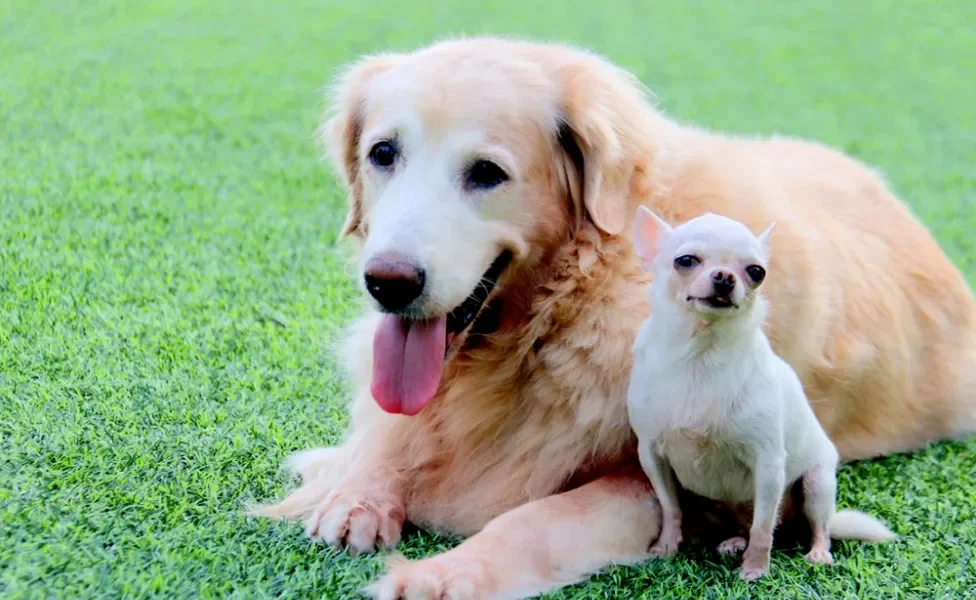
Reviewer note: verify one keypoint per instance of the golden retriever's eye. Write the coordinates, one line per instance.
(383, 154)
(484, 174)
(756, 273)
(686, 261)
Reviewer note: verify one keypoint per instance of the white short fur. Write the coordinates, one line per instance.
(711, 401)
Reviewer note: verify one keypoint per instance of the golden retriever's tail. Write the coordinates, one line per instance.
(854, 525)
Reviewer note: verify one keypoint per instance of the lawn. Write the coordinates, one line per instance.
(170, 282)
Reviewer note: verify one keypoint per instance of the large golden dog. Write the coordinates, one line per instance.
(491, 187)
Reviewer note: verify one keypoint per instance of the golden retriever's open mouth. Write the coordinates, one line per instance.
(409, 354)
(461, 317)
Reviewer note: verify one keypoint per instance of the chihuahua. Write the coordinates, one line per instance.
(713, 405)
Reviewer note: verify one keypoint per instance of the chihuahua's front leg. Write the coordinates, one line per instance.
(659, 472)
(769, 474)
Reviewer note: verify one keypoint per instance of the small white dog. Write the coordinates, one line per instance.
(710, 400)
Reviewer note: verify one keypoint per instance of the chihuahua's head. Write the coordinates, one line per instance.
(711, 265)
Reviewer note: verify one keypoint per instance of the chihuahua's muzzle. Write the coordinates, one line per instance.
(723, 282)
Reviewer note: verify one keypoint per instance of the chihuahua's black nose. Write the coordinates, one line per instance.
(723, 281)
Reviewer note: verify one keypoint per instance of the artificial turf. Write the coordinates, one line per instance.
(170, 282)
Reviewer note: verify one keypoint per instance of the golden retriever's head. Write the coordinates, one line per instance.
(464, 160)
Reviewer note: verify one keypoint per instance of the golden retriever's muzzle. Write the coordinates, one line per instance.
(409, 354)
(393, 281)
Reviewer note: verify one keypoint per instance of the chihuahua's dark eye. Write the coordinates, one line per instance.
(756, 273)
(382, 154)
(484, 174)
(686, 261)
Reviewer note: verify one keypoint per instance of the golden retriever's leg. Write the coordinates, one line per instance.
(539, 546)
(351, 496)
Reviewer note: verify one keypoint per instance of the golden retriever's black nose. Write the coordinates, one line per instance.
(723, 282)
(393, 281)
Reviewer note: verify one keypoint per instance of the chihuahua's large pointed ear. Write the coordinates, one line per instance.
(650, 233)
(342, 128)
(766, 240)
(605, 132)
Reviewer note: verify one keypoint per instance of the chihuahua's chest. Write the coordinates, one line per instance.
(667, 395)
(691, 407)
(708, 465)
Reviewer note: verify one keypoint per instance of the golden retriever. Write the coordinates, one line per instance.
(491, 187)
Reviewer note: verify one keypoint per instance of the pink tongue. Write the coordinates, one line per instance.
(408, 357)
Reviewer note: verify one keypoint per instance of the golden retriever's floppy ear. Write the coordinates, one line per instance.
(606, 121)
(341, 131)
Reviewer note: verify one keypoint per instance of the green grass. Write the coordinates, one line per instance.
(170, 283)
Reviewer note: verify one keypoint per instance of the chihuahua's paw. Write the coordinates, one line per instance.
(755, 562)
(665, 547)
(819, 556)
(754, 566)
(733, 545)
(752, 573)
(436, 578)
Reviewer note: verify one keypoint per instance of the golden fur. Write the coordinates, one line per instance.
(527, 440)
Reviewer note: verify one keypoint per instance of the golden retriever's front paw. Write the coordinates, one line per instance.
(438, 578)
(356, 521)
